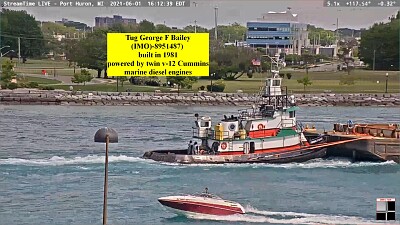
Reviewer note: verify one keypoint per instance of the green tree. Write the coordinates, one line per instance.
(161, 28)
(146, 27)
(82, 77)
(50, 28)
(91, 52)
(324, 37)
(218, 86)
(69, 46)
(183, 81)
(122, 28)
(305, 81)
(122, 79)
(20, 24)
(199, 29)
(230, 63)
(7, 73)
(308, 58)
(382, 41)
(229, 33)
(77, 78)
(292, 59)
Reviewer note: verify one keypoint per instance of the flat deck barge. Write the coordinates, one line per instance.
(378, 142)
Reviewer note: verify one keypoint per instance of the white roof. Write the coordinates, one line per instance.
(286, 16)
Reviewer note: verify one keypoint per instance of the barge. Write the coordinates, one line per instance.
(381, 142)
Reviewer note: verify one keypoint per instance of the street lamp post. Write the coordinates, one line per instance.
(387, 76)
(211, 79)
(117, 84)
(373, 62)
(216, 24)
(106, 135)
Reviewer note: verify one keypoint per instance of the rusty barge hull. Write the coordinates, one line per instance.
(383, 143)
(180, 156)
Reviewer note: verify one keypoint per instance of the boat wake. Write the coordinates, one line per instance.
(311, 164)
(254, 215)
(96, 159)
(59, 160)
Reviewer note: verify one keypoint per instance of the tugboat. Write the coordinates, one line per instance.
(267, 133)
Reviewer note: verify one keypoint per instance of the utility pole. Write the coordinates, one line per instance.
(19, 49)
(216, 25)
(373, 63)
(195, 26)
(337, 31)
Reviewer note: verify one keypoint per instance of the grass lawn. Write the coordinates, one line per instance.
(40, 80)
(364, 82)
(44, 63)
(39, 63)
(50, 71)
(35, 66)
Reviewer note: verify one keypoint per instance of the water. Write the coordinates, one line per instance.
(51, 171)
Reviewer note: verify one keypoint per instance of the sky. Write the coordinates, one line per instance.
(229, 11)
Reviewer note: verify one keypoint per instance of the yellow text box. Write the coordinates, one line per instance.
(158, 54)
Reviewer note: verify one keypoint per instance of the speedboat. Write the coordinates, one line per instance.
(203, 203)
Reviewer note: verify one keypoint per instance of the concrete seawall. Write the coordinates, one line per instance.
(60, 97)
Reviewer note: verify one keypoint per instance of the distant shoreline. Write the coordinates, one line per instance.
(87, 98)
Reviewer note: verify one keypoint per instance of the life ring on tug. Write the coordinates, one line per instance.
(260, 126)
(223, 145)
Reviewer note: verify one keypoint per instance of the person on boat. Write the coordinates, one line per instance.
(205, 194)
(195, 149)
(190, 146)
(349, 126)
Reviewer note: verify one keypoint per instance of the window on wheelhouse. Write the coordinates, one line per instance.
(205, 123)
(292, 114)
(276, 83)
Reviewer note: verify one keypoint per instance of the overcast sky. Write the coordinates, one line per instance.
(309, 11)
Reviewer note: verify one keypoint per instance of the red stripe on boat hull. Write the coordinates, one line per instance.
(270, 150)
(203, 208)
(263, 133)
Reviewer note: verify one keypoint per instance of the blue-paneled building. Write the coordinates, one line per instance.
(278, 32)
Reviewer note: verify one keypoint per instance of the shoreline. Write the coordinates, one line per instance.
(93, 98)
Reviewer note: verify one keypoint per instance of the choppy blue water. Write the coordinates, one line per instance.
(51, 171)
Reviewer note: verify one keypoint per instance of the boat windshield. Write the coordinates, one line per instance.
(208, 195)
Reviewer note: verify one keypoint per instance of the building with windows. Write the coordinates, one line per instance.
(77, 25)
(109, 21)
(278, 32)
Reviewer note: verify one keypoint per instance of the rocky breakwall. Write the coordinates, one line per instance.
(61, 97)
(392, 100)
(157, 99)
